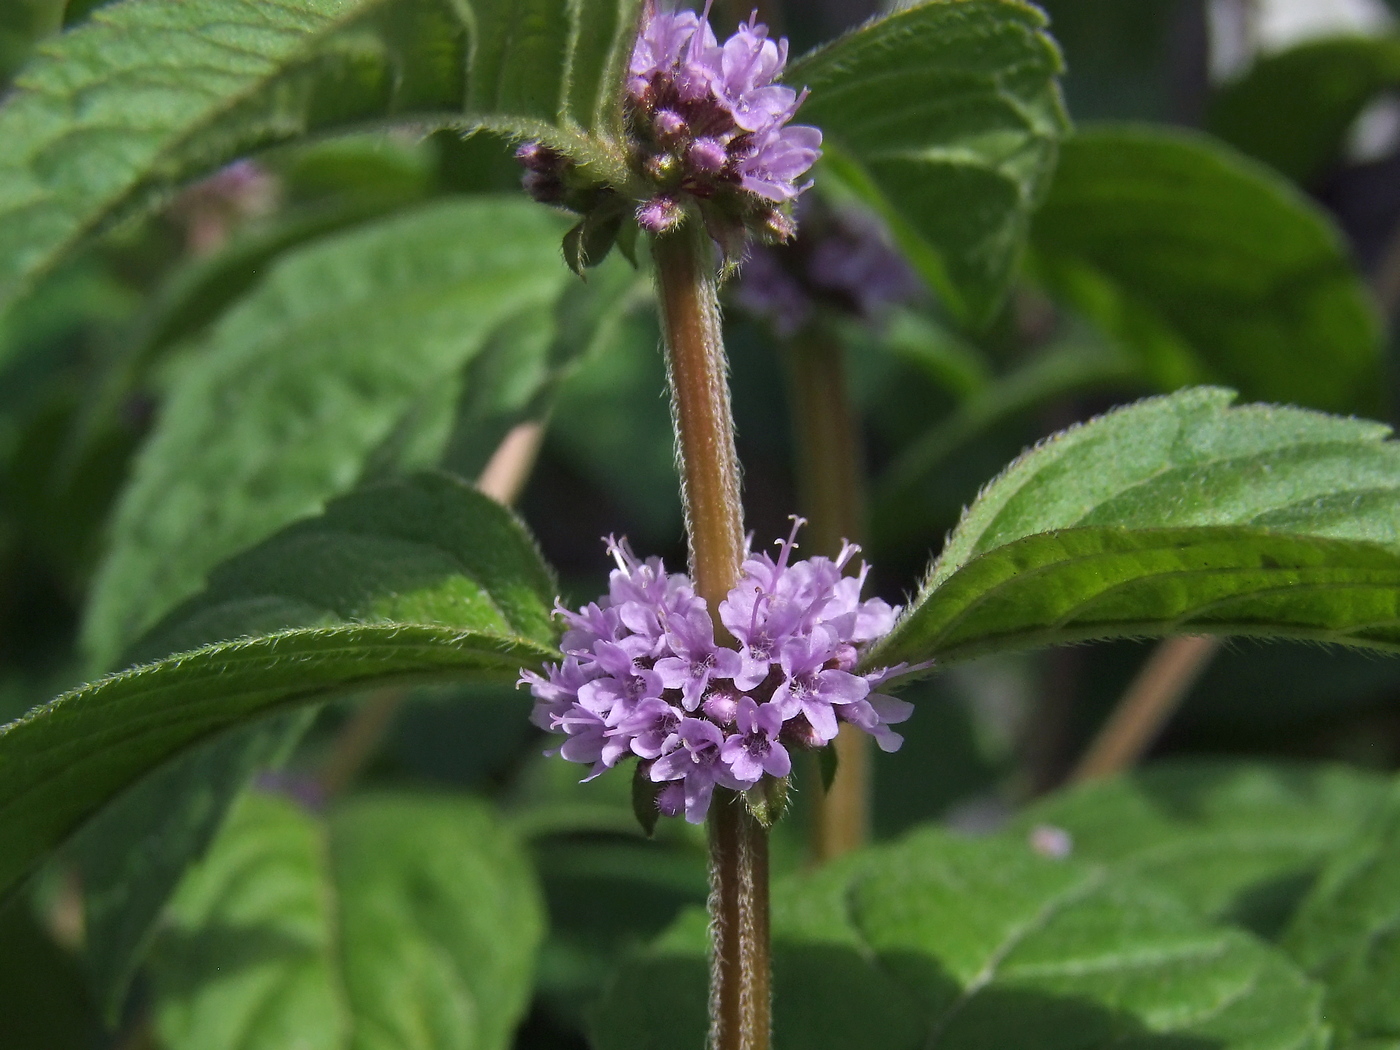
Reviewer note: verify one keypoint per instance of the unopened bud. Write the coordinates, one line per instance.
(670, 126)
(660, 214)
(707, 156)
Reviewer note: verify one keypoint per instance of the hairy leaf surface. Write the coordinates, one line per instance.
(944, 116)
(1177, 514)
(401, 923)
(149, 93)
(1238, 841)
(283, 404)
(952, 943)
(1209, 267)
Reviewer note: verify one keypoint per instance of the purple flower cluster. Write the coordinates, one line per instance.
(709, 117)
(642, 675)
(709, 129)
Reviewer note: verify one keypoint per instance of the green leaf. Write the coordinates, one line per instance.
(43, 999)
(1347, 935)
(955, 943)
(944, 116)
(131, 855)
(1179, 514)
(402, 923)
(1209, 267)
(416, 581)
(149, 93)
(294, 389)
(1321, 86)
(1238, 841)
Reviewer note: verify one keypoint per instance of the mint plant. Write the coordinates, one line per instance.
(298, 298)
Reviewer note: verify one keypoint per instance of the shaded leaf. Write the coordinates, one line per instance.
(398, 922)
(954, 943)
(295, 389)
(944, 116)
(1347, 935)
(1177, 514)
(1208, 267)
(147, 94)
(1321, 86)
(43, 1000)
(1238, 841)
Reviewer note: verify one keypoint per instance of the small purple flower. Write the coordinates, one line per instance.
(643, 677)
(696, 761)
(813, 689)
(754, 750)
(697, 659)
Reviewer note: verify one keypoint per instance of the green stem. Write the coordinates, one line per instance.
(740, 997)
(831, 495)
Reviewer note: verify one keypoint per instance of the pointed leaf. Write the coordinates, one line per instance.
(1177, 514)
(403, 923)
(944, 116)
(149, 93)
(1209, 267)
(422, 580)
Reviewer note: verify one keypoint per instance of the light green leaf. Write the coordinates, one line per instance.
(149, 93)
(1208, 267)
(1177, 514)
(1238, 841)
(283, 405)
(1347, 935)
(1320, 87)
(398, 923)
(416, 581)
(952, 943)
(944, 116)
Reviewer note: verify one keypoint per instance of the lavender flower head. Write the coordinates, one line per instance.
(709, 131)
(642, 676)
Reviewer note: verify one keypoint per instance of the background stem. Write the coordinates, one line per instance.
(740, 1008)
(1148, 703)
(831, 496)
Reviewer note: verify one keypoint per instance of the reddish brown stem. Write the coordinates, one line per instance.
(740, 1010)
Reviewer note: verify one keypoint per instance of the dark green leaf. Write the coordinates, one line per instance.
(403, 923)
(944, 117)
(1177, 514)
(43, 999)
(1347, 935)
(1208, 267)
(954, 943)
(149, 93)
(295, 389)
(1241, 842)
(422, 580)
(130, 857)
(1294, 110)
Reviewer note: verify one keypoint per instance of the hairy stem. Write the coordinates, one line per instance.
(695, 366)
(1146, 706)
(831, 495)
(740, 992)
(709, 468)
